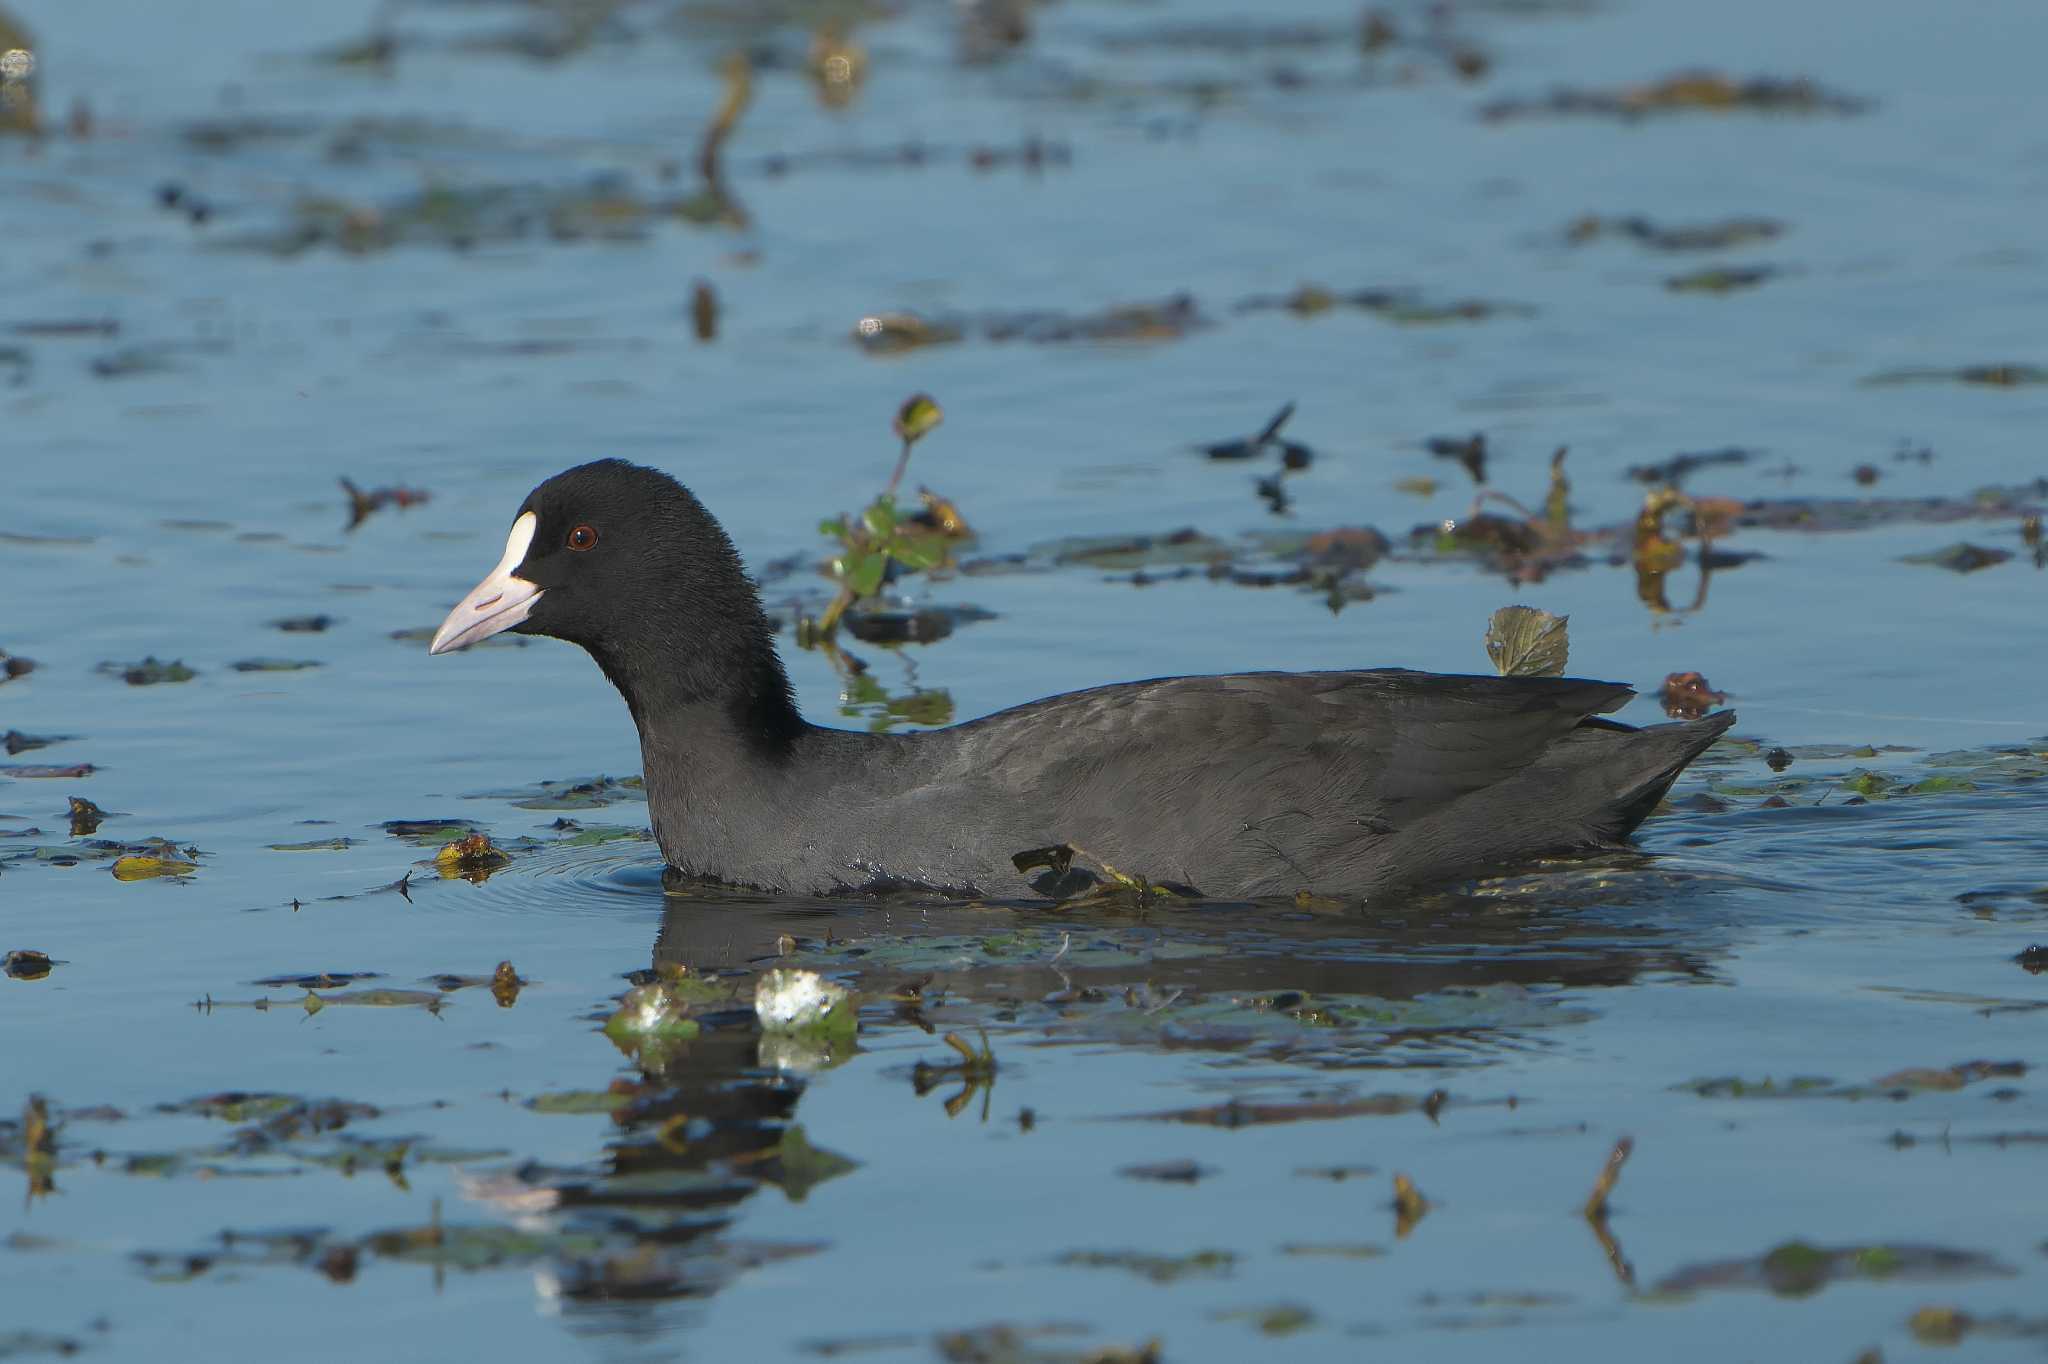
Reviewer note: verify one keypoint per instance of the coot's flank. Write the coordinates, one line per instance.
(1251, 784)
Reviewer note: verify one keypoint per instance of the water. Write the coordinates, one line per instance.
(170, 489)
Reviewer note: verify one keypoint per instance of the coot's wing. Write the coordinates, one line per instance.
(1427, 739)
(1377, 747)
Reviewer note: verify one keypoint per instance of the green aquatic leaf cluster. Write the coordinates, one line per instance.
(884, 532)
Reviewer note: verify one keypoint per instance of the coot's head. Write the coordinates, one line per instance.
(591, 553)
(625, 561)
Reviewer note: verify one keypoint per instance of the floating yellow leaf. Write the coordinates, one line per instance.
(143, 868)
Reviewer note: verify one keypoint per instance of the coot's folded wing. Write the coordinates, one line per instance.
(1370, 748)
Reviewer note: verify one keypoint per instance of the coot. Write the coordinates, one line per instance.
(1252, 784)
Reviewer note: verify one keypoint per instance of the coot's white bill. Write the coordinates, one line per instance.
(497, 603)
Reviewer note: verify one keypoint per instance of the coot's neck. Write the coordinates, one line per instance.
(719, 734)
(710, 684)
(691, 649)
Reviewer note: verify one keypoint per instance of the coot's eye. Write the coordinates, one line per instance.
(583, 537)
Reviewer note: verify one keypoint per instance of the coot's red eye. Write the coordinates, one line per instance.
(583, 537)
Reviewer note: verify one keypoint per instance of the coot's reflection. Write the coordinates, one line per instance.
(715, 1119)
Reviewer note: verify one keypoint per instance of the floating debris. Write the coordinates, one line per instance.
(316, 980)
(1687, 696)
(28, 771)
(1268, 438)
(704, 311)
(149, 866)
(1610, 1175)
(38, 1147)
(1722, 279)
(84, 816)
(305, 625)
(975, 1072)
(1707, 236)
(472, 858)
(1240, 37)
(18, 112)
(425, 832)
(1167, 319)
(586, 793)
(362, 505)
(1685, 92)
(150, 672)
(274, 665)
(1799, 1268)
(26, 963)
(714, 203)
(1235, 1113)
(1033, 154)
(1170, 1172)
(338, 844)
(837, 64)
(312, 1002)
(891, 333)
(1980, 376)
(1410, 1207)
(1468, 451)
(1952, 1325)
(1944, 1079)
(1960, 557)
(1279, 1319)
(1160, 1269)
(504, 983)
(1005, 1344)
(65, 328)
(1401, 306)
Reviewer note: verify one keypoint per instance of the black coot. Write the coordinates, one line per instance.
(1340, 783)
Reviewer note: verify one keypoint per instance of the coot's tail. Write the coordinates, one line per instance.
(1586, 792)
(1639, 765)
